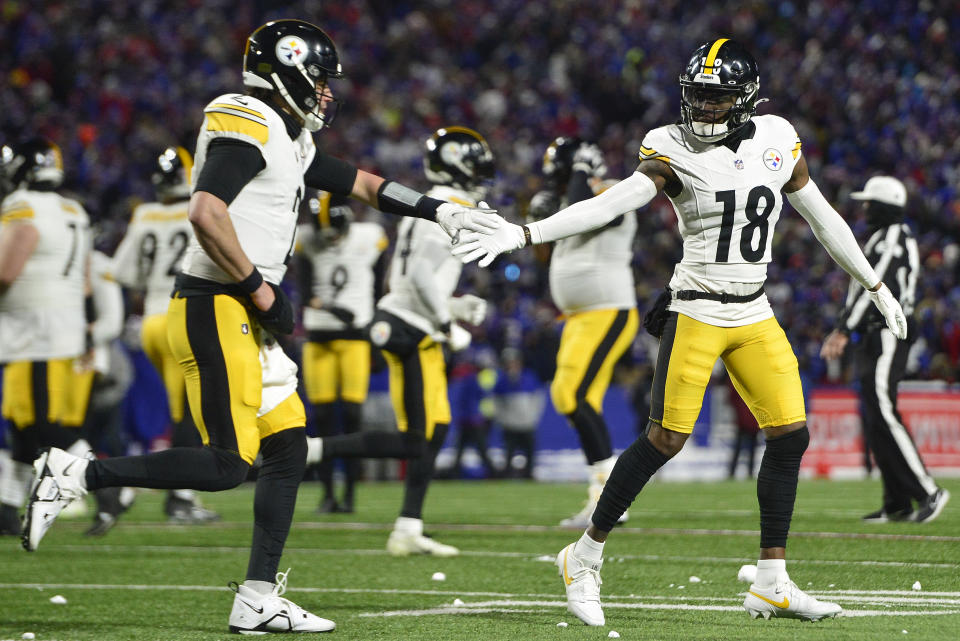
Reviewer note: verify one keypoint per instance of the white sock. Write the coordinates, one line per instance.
(184, 495)
(314, 450)
(408, 525)
(588, 550)
(769, 570)
(260, 587)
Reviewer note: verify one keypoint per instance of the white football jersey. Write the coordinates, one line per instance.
(423, 242)
(592, 271)
(343, 274)
(150, 254)
(41, 314)
(726, 213)
(265, 211)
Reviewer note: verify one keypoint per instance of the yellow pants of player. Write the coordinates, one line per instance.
(758, 358)
(153, 337)
(418, 388)
(57, 387)
(590, 345)
(216, 343)
(336, 369)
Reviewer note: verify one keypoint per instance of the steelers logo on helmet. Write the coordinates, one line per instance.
(291, 51)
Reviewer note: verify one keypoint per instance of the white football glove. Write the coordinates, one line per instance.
(459, 338)
(505, 238)
(588, 158)
(891, 310)
(455, 218)
(468, 308)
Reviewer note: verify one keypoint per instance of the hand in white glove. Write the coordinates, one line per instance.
(455, 218)
(506, 238)
(588, 158)
(468, 308)
(891, 310)
(459, 338)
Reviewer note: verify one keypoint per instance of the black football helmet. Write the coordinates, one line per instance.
(34, 164)
(171, 176)
(720, 71)
(331, 216)
(558, 161)
(459, 157)
(296, 59)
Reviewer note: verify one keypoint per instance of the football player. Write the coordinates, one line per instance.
(411, 325)
(44, 276)
(148, 260)
(591, 282)
(725, 171)
(255, 154)
(340, 264)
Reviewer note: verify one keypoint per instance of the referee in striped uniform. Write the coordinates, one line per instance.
(881, 359)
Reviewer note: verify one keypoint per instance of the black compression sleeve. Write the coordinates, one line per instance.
(229, 166)
(330, 174)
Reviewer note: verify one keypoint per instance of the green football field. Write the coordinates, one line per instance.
(147, 580)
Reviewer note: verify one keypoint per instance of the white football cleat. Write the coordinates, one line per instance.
(582, 583)
(785, 600)
(255, 613)
(58, 480)
(403, 543)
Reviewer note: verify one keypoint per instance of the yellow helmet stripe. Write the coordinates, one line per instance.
(712, 55)
(186, 160)
(464, 130)
(323, 215)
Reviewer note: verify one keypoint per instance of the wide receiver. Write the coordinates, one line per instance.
(724, 170)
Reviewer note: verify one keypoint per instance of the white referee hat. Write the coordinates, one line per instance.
(883, 189)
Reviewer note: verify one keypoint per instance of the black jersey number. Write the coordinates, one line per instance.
(756, 220)
(147, 257)
(178, 243)
(339, 279)
(74, 242)
(407, 248)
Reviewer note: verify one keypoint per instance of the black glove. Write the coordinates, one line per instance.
(279, 318)
(342, 314)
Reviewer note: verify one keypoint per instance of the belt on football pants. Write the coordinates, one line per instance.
(689, 294)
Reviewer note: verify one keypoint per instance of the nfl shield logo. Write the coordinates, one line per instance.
(738, 164)
(244, 328)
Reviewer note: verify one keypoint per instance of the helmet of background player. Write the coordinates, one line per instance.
(331, 217)
(884, 199)
(718, 90)
(171, 176)
(34, 164)
(295, 59)
(558, 162)
(461, 158)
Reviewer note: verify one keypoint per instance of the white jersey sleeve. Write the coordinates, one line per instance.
(264, 213)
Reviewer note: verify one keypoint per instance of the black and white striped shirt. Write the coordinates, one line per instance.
(892, 251)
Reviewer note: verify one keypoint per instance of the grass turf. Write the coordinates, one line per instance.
(147, 580)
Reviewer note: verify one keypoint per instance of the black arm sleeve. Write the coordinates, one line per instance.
(380, 277)
(304, 278)
(578, 188)
(330, 174)
(229, 166)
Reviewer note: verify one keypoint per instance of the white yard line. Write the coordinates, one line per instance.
(199, 549)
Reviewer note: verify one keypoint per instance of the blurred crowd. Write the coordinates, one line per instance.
(871, 86)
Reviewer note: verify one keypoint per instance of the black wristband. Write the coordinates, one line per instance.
(527, 238)
(394, 198)
(252, 282)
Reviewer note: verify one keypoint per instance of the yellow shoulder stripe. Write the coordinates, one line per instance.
(796, 150)
(647, 151)
(663, 158)
(239, 125)
(247, 110)
(460, 201)
(20, 213)
(382, 243)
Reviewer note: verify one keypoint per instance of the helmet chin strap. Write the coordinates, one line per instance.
(311, 121)
(709, 131)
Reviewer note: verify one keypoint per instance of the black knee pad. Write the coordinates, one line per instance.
(789, 446)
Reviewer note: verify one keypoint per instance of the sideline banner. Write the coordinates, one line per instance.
(836, 436)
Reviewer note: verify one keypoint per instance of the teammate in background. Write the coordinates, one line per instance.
(148, 260)
(723, 169)
(881, 359)
(44, 277)
(411, 325)
(255, 154)
(591, 282)
(340, 266)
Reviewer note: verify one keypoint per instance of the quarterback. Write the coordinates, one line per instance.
(255, 154)
(725, 170)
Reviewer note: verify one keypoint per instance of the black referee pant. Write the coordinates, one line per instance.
(881, 362)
